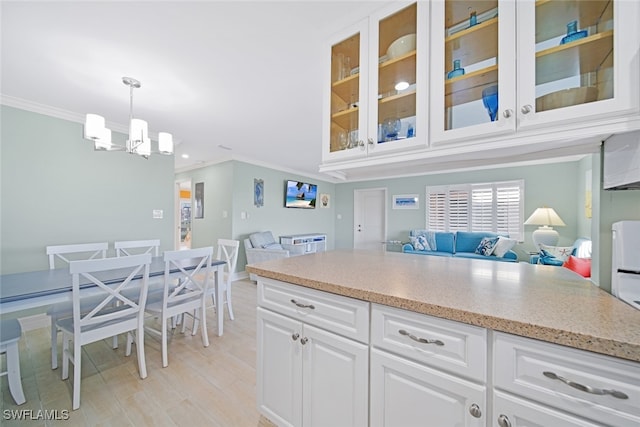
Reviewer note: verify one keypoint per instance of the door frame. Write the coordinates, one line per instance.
(357, 209)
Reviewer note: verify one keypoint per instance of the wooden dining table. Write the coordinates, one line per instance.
(42, 288)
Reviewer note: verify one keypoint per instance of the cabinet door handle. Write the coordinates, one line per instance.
(370, 141)
(361, 144)
(526, 109)
(295, 336)
(507, 113)
(475, 411)
(304, 340)
(503, 421)
(586, 388)
(303, 305)
(420, 340)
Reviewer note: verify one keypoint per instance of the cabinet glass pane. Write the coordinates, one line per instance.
(397, 76)
(471, 63)
(574, 52)
(345, 93)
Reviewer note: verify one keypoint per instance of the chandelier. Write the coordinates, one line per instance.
(138, 141)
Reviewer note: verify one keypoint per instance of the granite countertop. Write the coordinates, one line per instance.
(542, 302)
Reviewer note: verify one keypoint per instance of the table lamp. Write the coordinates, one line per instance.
(545, 217)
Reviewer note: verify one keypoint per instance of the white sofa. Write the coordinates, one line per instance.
(262, 246)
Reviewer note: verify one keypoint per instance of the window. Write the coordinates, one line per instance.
(496, 207)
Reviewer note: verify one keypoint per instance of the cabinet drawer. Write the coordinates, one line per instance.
(344, 316)
(456, 347)
(527, 367)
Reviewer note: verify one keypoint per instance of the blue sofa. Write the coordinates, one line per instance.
(461, 244)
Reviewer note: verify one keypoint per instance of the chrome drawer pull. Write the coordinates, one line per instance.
(420, 340)
(303, 305)
(587, 389)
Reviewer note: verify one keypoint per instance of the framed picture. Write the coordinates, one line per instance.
(258, 192)
(405, 201)
(325, 200)
(199, 200)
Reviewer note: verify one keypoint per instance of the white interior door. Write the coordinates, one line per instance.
(370, 219)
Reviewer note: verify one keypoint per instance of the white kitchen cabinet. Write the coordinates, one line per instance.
(307, 375)
(417, 368)
(362, 102)
(542, 83)
(586, 385)
(511, 411)
(406, 393)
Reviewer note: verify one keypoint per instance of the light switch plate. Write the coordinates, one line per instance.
(157, 214)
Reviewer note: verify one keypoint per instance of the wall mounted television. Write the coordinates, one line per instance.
(300, 194)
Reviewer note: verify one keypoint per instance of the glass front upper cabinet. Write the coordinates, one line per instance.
(345, 119)
(574, 53)
(394, 118)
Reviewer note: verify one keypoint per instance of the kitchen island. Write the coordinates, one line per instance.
(445, 333)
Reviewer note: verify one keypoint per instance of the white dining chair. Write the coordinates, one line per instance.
(64, 254)
(10, 333)
(131, 247)
(106, 319)
(185, 292)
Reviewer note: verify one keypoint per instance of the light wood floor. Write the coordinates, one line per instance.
(213, 386)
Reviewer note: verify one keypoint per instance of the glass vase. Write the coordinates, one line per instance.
(457, 70)
(572, 33)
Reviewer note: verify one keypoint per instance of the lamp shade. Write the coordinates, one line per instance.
(93, 127)
(545, 235)
(139, 141)
(104, 141)
(165, 143)
(544, 216)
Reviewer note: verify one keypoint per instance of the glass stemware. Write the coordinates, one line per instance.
(490, 101)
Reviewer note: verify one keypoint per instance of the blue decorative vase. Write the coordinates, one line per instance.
(572, 33)
(490, 101)
(457, 70)
(473, 19)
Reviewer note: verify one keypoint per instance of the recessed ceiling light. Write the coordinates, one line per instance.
(185, 156)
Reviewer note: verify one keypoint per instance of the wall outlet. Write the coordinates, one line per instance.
(157, 214)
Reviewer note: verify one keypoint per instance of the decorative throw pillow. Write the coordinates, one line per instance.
(582, 266)
(420, 243)
(503, 246)
(547, 259)
(486, 246)
(560, 252)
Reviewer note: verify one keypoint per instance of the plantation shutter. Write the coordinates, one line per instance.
(496, 207)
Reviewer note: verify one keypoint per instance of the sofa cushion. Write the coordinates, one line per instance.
(262, 239)
(503, 246)
(560, 252)
(468, 241)
(486, 246)
(547, 258)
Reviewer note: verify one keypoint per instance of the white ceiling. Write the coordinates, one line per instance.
(242, 75)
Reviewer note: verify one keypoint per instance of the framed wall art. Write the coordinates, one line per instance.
(405, 201)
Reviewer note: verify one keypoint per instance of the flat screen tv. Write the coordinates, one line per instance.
(300, 195)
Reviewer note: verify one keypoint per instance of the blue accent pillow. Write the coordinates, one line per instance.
(486, 246)
(547, 259)
(420, 243)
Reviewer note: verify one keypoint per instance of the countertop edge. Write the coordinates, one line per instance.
(608, 347)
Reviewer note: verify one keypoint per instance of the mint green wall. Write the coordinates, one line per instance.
(57, 190)
(218, 181)
(585, 171)
(613, 206)
(232, 186)
(554, 185)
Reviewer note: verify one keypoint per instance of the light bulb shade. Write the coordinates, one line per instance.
(544, 216)
(402, 85)
(104, 142)
(139, 142)
(93, 127)
(165, 143)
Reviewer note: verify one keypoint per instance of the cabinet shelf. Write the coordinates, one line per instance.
(346, 88)
(561, 61)
(473, 44)
(552, 16)
(468, 87)
(347, 119)
(402, 68)
(398, 106)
